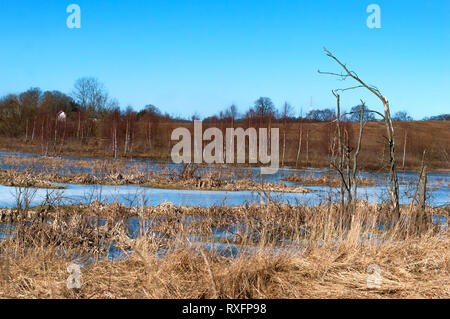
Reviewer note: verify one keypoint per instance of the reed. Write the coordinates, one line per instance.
(284, 251)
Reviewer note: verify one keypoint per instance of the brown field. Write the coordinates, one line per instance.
(316, 148)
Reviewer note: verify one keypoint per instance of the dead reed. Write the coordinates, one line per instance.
(284, 251)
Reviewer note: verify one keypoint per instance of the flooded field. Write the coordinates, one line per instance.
(438, 184)
(137, 230)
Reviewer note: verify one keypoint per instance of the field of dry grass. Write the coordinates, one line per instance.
(317, 138)
(285, 252)
(411, 269)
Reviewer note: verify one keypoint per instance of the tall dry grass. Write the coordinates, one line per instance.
(434, 136)
(285, 251)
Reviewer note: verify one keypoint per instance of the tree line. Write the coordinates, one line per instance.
(89, 112)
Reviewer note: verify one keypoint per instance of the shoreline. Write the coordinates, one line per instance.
(87, 157)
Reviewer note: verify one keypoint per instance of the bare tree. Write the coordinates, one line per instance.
(233, 113)
(130, 118)
(91, 95)
(340, 165)
(394, 188)
(29, 102)
(402, 116)
(347, 171)
(152, 113)
(113, 124)
(264, 109)
(300, 133)
(404, 149)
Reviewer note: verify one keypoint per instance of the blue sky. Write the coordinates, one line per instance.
(200, 56)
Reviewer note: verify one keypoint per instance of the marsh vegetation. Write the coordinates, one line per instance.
(274, 244)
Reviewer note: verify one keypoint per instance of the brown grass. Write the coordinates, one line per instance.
(105, 172)
(25, 179)
(434, 136)
(324, 181)
(329, 260)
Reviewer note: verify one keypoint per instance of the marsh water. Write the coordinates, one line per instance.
(438, 187)
(136, 195)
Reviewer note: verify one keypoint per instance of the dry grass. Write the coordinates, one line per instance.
(411, 269)
(327, 256)
(42, 173)
(25, 179)
(431, 135)
(324, 181)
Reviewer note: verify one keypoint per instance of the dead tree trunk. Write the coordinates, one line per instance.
(63, 137)
(56, 135)
(79, 125)
(340, 165)
(393, 186)
(404, 150)
(423, 189)
(34, 129)
(355, 156)
(394, 189)
(344, 159)
(284, 145)
(149, 134)
(299, 145)
(307, 147)
(418, 219)
(115, 142)
(26, 132)
(347, 167)
(127, 139)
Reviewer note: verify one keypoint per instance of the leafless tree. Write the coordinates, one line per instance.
(29, 102)
(129, 131)
(394, 188)
(300, 133)
(114, 121)
(91, 95)
(404, 149)
(347, 170)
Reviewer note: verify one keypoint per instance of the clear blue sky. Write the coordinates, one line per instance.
(201, 56)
